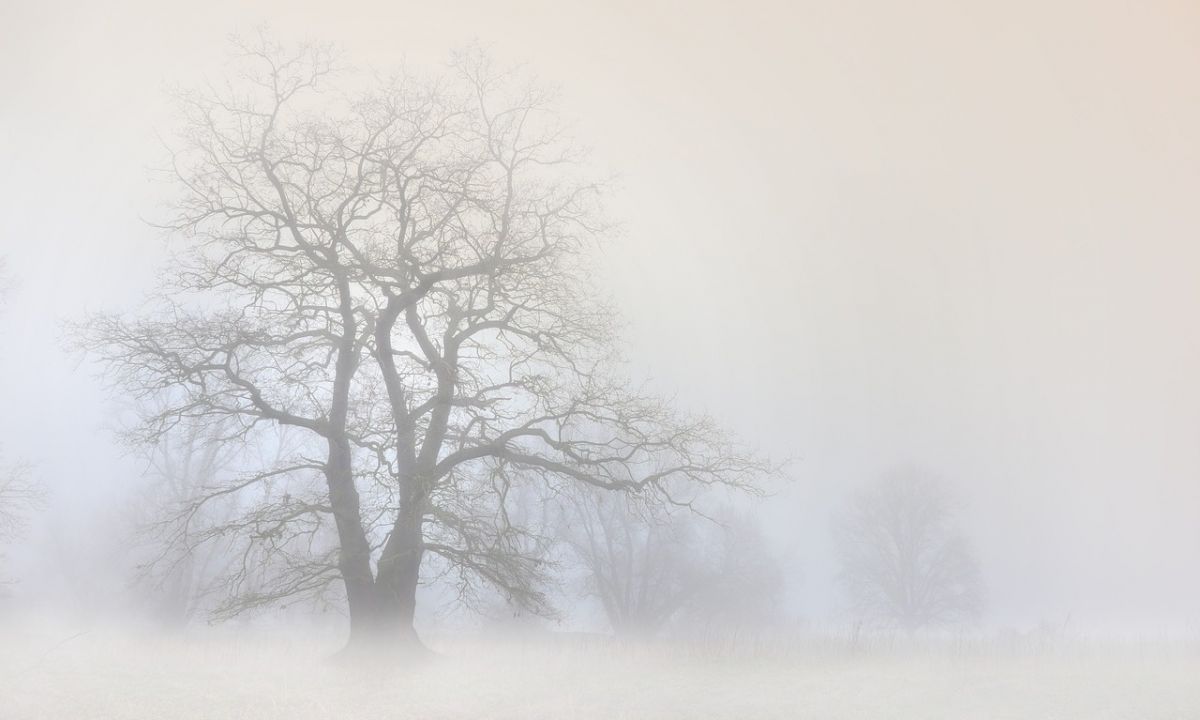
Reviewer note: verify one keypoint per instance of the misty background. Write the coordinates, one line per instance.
(861, 235)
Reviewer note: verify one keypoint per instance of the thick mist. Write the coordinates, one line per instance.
(929, 266)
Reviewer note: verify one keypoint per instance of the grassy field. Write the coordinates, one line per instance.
(105, 673)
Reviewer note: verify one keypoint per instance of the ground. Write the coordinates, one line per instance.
(102, 674)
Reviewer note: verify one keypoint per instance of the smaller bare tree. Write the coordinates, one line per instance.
(903, 561)
(651, 564)
(183, 467)
(19, 495)
(744, 584)
(636, 558)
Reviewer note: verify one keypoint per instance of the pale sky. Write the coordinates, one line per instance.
(961, 235)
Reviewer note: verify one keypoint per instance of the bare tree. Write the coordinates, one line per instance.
(903, 562)
(650, 564)
(642, 564)
(745, 582)
(176, 573)
(402, 273)
(19, 494)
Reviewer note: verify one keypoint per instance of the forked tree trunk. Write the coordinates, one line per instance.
(382, 605)
(394, 592)
(354, 559)
(400, 567)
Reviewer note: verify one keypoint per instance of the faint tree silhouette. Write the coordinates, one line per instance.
(19, 494)
(650, 564)
(903, 562)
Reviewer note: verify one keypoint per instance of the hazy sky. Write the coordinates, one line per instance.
(962, 235)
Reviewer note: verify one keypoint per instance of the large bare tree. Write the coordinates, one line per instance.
(399, 269)
(903, 561)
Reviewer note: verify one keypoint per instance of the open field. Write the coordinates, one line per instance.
(106, 674)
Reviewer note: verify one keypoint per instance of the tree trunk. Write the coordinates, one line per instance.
(400, 563)
(354, 560)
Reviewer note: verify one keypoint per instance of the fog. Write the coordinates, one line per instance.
(954, 240)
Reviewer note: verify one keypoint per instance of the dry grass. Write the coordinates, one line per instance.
(105, 673)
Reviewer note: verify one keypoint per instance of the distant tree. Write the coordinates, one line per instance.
(745, 582)
(903, 562)
(174, 515)
(649, 565)
(19, 494)
(400, 274)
